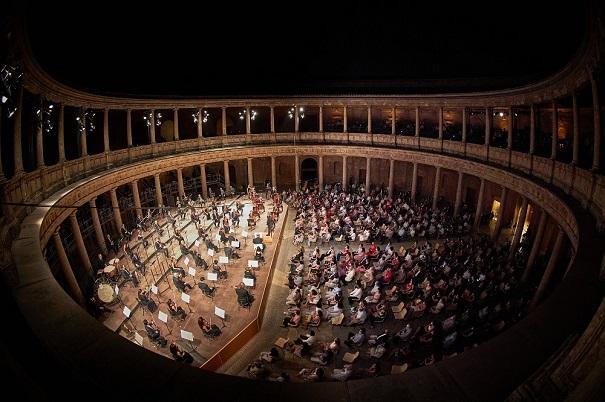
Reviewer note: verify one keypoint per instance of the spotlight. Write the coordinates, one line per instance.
(4, 99)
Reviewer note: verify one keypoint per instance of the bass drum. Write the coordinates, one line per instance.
(104, 291)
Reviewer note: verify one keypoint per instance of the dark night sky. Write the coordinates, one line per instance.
(301, 48)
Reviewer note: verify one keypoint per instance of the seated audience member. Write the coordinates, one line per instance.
(357, 339)
(311, 375)
(271, 356)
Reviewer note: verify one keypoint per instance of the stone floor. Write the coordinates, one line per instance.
(202, 348)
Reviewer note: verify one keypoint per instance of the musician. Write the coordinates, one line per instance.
(244, 298)
(111, 245)
(153, 332)
(180, 284)
(199, 261)
(129, 276)
(146, 301)
(125, 233)
(205, 288)
(160, 247)
(208, 329)
(217, 269)
(176, 270)
(158, 230)
(235, 218)
(230, 252)
(183, 247)
(98, 263)
(143, 240)
(270, 225)
(258, 255)
(176, 311)
(258, 241)
(180, 355)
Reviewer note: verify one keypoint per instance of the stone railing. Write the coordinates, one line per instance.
(587, 187)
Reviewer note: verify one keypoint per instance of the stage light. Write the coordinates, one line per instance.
(501, 114)
(4, 99)
(85, 119)
(253, 114)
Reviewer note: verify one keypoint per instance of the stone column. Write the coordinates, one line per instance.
(250, 173)
(203, 180)
(61, 133)
(458, 194)
(115, 206)
(511, 116)
(152, 128)
(137, 199)
(129, 127)
(248, 122)
(321, 119)
(200, 125)
(179, 180)
(40, 142)
(75, 229)
(83, 138)
(501, 209)
(96, 223)
(550, 268)
(518, 229)
(320, 172)
(296, 119)
(68, 273)
(175, 123)
(345, 176)
(596, 111)
(158, 190)
(464, 118)
(441, 123)
(391, 176)
(532, 129)
(272, 119)
(576, 129)
(273, 172)
(414, 181)
(535, 247)
(106, 130)
(436, 188)
(224, 120)
(226, 176)
(345, 126)
(394, 121)
(479, 209)
(18, 152)
(368, 168)
(369, 119)
(297, 171)
(488, 126)
(554, 139)
(417, 128)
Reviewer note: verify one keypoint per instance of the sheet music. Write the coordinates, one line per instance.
(252, 264)
(186, 261)
(210, 252)
(192, 271)
(223, 260)
(235, 244)
(154, 289)
(185, 297)
(248, 281)
(212, 276)
(126, 311)
(162, 316)
(219, 312)
(186, 335)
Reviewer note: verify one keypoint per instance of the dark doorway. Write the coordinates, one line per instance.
(308, 170)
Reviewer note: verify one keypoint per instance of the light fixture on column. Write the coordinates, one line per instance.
(11, 80)
(253, 114)
(86, 120)
(242, 114)
(196, 116)
(44, 115)
(148, 116)
(292, 112)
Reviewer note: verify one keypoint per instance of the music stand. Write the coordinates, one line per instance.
(219, 312)
(188, 336)
(164, 318)
(249, 282)
(138, 339)
(245, 236)
(187, 299)
(253, 264)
